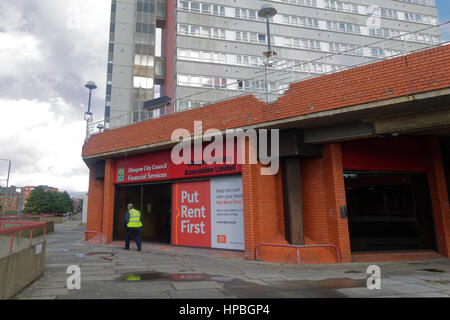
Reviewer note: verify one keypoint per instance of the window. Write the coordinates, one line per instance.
(182, 53)
(220, 83)
(205, 32)
(195, 54)
(261, 38)
(205, 56)
(143, 82)
(207, 82)
(195, 6)
(206, 8)
(183, 29)
(183, 80)
(287, 42)
(195, 30)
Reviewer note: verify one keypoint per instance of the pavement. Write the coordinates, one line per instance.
(109, 272)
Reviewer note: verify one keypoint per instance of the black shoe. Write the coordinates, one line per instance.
(139, 249)
(126, 248)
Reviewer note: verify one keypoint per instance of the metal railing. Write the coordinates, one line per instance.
(29, 216)
(23, 225)
(99, 237)
(298, 247)
(277, 77)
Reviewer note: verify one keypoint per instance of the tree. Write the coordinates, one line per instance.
(36, 203)
(41, 201)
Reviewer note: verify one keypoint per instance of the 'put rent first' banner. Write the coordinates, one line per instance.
(209, 213)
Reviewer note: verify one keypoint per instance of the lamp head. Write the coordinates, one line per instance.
(91, 85)
(267, 11)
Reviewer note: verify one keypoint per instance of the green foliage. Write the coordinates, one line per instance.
(41, 201)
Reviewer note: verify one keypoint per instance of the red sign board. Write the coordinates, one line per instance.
(158, 166)
(142, 168)
(191, 225)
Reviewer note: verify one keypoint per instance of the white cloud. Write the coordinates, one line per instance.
(48, 50)
(20, 54)
(43, 143)
(11, 19)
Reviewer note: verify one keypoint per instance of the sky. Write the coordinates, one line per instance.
(48, 51)
(443, 7)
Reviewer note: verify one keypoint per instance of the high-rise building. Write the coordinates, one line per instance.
(180, 48)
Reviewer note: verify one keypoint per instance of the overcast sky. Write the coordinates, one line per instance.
(48, 50)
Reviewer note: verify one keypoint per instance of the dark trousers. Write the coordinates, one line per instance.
(136, 233)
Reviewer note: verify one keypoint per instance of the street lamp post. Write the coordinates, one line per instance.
(88, 115)
(267, 11)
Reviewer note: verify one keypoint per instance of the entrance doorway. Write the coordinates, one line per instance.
(389, 211)
(154, 203)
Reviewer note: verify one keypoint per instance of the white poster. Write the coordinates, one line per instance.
(227, 213)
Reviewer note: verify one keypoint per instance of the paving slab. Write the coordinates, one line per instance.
(409, 288)
(196, 285)
(236, 277)
(48, 285)
(364, 292)
(39, 298)
(49, 292)
(199, 294)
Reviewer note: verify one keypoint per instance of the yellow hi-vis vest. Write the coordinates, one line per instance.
(135, 219)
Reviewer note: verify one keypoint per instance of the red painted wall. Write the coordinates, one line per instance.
(396, 154)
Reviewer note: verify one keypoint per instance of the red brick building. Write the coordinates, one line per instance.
(9, 199)
(365, 157)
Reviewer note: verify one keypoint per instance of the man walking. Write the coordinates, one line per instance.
(132, 224)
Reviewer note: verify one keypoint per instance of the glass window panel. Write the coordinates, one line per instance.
(195, 30)
(206, 56)
(183, 53)
(195, 6)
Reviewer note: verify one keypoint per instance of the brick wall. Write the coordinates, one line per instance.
(351, 87)
(323, 189)
(439, 195)
(108, 201)
(95, 204)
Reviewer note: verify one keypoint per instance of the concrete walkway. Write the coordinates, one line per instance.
(192, 273)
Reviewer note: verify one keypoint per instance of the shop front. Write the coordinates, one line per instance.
(197, 205)
(388, 195)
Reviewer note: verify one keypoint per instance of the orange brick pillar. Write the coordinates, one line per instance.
(338, 233)
(439, 196)
(95, 205)
(250, 179)
(108, 201)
